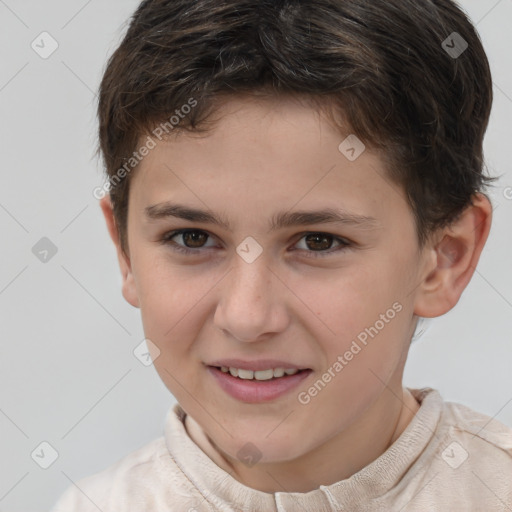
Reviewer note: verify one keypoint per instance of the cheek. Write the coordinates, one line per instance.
(357, 370)
(364, 322)
(168, 296)
(174, 308)
(167, 290)
(349, 301)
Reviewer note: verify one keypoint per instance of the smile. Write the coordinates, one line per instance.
(251, 389)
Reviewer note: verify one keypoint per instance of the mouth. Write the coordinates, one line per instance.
(260, 386)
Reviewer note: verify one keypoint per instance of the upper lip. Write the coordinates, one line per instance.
(260, 364)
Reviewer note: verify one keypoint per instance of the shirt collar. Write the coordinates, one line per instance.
(218, 486)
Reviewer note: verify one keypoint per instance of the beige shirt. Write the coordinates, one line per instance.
(449, 458)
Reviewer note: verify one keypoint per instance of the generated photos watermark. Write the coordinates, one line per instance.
(305, 397)
(159, 132)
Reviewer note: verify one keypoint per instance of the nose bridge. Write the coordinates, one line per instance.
(249, 304)
(251, 282)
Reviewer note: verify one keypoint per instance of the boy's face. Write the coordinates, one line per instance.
(300, 301)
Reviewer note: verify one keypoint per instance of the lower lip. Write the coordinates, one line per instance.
(257, 391)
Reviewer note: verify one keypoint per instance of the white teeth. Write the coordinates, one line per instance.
(259, 374)
(244, 374)
(278, 372)
(264, 374)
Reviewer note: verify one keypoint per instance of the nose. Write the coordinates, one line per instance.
(252, 304)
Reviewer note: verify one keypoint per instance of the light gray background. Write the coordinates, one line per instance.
(69, 376)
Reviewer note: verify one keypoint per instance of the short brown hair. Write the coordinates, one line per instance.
(381, 63)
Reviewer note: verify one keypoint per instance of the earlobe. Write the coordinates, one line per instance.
(129, 290)
(453, 259)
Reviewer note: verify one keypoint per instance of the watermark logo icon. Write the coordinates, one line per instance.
(249, 454)
(352, 148)
(44, 455)
(454, 45)
(249, 250)
(454, 455)
(44, 250)
(146, 352)
(44, 45)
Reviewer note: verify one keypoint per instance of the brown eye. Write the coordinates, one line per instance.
(319, 241)
(318, 244)
(194, 239)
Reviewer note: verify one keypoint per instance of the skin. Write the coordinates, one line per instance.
(264, 156)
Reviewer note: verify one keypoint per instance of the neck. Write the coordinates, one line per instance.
(383, 422)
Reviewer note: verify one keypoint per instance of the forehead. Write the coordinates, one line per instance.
(261, 156)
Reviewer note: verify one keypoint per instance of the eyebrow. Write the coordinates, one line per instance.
(280, 220)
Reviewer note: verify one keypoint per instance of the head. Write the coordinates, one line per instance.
(248, 111)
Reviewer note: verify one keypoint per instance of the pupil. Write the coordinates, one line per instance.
(194, 235)
(318, 237)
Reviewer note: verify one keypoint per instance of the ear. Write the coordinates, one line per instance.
(129, 288)
(452, 257)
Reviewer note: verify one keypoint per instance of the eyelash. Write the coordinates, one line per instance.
(166, 240)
